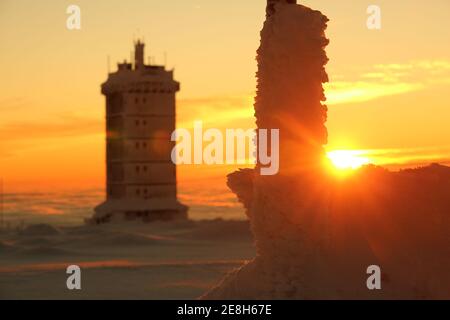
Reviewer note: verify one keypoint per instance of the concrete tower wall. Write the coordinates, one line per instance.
(140, 118)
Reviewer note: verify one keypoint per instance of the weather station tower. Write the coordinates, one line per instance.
(141, 181)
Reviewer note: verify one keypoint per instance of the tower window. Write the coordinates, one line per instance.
(137, 122)
(144, 144)
(138, 169)
(138, 192)
(136, 100)
(145, 168)
(137, 145)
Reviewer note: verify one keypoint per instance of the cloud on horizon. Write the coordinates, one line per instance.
(387, 80)
(406, 157)
(64, 125)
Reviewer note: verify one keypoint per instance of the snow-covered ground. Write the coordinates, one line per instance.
(130, 260)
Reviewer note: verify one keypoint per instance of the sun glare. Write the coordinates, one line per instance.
(347, 159)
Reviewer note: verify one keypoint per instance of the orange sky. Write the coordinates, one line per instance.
(388, 92)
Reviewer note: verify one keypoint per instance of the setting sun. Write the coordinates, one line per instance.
(347, 159)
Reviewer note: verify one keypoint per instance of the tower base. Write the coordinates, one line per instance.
(147, 210)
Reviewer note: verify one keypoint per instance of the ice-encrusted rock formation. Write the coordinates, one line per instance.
(290, 231)
(316, 235)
